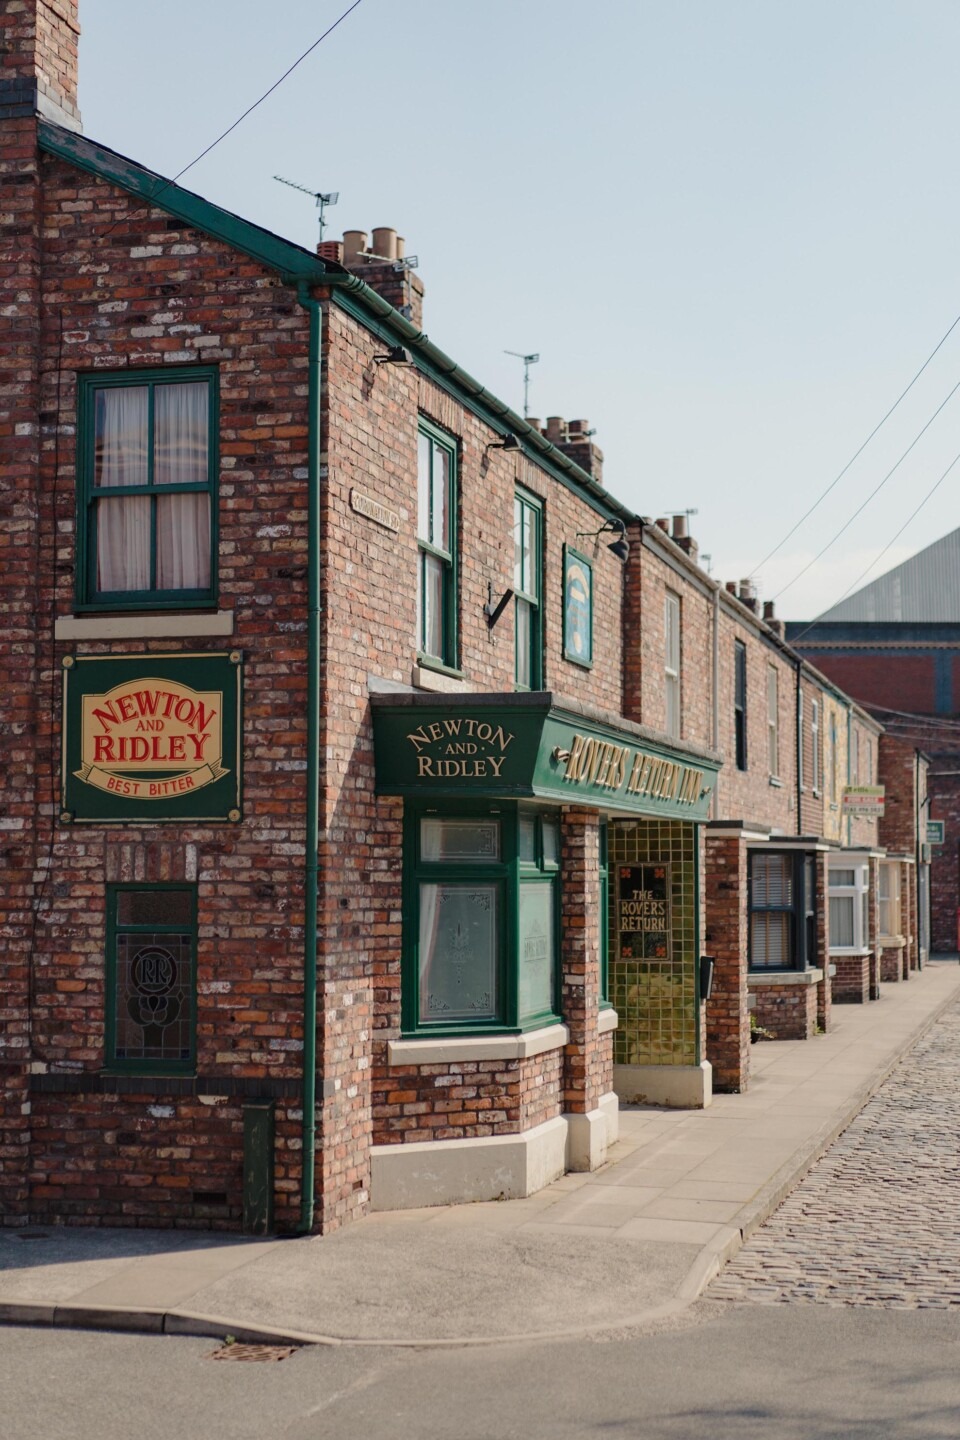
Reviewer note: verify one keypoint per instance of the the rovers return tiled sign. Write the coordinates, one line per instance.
(151, 737)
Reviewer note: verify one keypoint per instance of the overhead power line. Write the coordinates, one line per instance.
(877, 558)
(249, 111)
(874, 492)
(859, 452)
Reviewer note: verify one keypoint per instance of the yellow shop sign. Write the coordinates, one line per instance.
(149, 739)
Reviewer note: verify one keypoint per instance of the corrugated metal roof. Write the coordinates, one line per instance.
(925, 588)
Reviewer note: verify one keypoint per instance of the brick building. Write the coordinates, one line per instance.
(895, 645)
(356, 845)
(312, 677)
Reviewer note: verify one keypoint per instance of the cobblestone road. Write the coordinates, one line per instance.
(877, 1220)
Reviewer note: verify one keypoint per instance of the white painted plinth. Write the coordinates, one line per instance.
(590, 1136)
(681, 1087)
(455, 1172)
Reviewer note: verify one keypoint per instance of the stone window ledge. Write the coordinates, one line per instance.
(784, 977)
(477, 1047)
(142, 627)
(609, 1020)
(891, 942)
(853, 952)
(440, 682)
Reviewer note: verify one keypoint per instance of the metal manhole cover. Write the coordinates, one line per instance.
(253, 1352)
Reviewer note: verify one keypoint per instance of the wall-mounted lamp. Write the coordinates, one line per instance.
(396, 355)
(509, 442)
(620, 546)
(493, 612)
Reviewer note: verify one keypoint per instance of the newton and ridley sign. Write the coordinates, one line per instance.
(530, 749)
(151, 737)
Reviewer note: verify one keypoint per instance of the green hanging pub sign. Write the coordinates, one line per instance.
(151, 738)
(520, 746)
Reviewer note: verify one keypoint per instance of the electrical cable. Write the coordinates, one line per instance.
(859, 452)
(877, 558)
(240, 118)
(876, 491)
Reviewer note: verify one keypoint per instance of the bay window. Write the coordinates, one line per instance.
(849, 904)
(481, 931)
(781, 904)
(889, 900)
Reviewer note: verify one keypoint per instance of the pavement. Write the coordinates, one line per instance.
(630, 1245)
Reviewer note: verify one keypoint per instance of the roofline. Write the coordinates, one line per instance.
(298, 266)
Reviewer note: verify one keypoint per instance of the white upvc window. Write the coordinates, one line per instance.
(888, 895)
(849, 904)
(773, 721)
(815, 745)
(671, 664)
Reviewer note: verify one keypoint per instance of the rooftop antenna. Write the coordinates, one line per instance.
(322, 197)
(528, 360)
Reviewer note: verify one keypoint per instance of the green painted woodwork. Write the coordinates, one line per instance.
(116, 930)
(509, 873)
(258, 1150)
(152, 754)
(88, 496)
(521, 747)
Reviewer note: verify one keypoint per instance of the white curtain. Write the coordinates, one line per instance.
(123, 524)
(180, 458)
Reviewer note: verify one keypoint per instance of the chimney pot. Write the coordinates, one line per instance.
(354, 245)
(401, 247)
(664, 524)
(731, 587)
(385, 242)
(679, 527)
(331, 250)
(534, 421)
(768, 610)
(556, 429)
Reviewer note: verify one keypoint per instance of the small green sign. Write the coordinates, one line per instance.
(151, 738)
(935, 832)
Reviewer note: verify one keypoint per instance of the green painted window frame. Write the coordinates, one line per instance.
(509, 873)
(572, 556)
(447, 662)
(137, 1066)
(87, 596)
(604, 878)
(526, 596)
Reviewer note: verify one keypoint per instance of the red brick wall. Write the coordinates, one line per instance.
(905, 682)
(728, 1020)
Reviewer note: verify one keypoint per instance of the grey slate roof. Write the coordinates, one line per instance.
(924, 589)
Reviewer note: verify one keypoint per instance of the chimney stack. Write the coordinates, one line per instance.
(681, 538)
(573, 437)
(39, 40)
(771, 620)
(748, 595)
(382, 267)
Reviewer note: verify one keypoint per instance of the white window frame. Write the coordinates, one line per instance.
(889, 903)
(815, 744)
(671, 663)
(858, 895)
(773, 722)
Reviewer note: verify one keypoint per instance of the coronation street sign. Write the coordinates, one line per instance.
(151, 737)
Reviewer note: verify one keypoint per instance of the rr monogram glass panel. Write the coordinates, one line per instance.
(458, 952)
(153, 996)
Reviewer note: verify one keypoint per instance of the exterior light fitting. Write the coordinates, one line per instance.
(620, 546)
(396, 355)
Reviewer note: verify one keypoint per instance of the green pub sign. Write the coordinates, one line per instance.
(151, 737)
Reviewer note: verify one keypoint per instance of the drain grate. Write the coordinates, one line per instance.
(253, 1352)
(31, 1235)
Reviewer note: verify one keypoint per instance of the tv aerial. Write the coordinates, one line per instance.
(322, 197)
(528, 360)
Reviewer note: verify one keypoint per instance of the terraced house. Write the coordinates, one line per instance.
(354, 819)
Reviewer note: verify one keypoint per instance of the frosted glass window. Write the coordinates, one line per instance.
(458, 952)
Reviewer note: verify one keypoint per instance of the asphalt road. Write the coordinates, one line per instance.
(728, 1372)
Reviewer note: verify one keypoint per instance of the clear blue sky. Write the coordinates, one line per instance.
(730, 227)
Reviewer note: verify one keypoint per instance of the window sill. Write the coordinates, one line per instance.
(476, 1047)
(142, 627)
(891, 942)
(609, 1020)
(850, 952)
(757, 978)
(436, 677)
(776, 782)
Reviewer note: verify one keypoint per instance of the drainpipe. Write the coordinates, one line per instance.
(799, 666)
(311, 864)
(716, 694)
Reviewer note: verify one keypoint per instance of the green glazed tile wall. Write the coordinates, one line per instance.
(655, 998)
